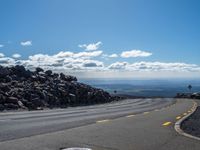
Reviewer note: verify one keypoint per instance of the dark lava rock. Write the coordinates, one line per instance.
(20, 71)
(192, 124)
(4, 72)
(188, 95)
(33, 90)
(12, 100)
(2, 107)
(4, 87)
(48, 72)
(67, 78)
(38, 69)
(11, 106)
(8, 78)
(2, 99)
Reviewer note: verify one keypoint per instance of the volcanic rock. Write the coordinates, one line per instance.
(32, 90)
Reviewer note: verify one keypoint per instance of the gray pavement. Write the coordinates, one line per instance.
(126, 125)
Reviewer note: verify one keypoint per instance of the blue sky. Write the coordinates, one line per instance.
(167, 30)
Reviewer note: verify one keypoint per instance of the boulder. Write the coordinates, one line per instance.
(8, 78)
(38, 69)
(19, 70)
(2, 99)
(37, 102)
(21, 105)
(41, 79)
(11, 106)
(12, 100)
(4, 72)
(2, 107)
(4, 87)
(71, 78)
(48, 72)
(67, 78)
(62, 76)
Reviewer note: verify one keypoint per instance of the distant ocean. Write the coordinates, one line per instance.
(146, 88)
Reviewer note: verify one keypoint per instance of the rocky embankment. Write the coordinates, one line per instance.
(32, 90)
(188, 95)
(192, 124)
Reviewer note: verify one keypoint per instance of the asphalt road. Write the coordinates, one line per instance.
(140, 124)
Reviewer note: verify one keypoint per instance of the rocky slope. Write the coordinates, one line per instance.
(24, 89)
(191, 125)
(188, 95)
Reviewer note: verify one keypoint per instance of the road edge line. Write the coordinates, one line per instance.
(177, 125)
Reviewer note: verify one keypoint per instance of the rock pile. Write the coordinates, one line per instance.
(191, 125)
(188, 95)
(32, 90)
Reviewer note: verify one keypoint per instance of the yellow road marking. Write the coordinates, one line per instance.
(145, 113)
(102, 121)
(184, 114)
(178, 117)
(166, 123)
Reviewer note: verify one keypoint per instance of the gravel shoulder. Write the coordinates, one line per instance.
(192, 124)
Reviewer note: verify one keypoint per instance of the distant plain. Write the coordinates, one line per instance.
(146, 88)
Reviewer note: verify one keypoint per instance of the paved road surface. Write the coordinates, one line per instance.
(127, 125)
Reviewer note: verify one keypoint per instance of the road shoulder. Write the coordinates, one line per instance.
(187, 126)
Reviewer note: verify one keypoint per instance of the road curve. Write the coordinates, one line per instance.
(15, 125)
(142, 125)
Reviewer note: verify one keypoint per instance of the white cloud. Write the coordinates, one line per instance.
(78, 55)
(6, 61)
(1, 55)
(92, 63)
(86, 63)
(16, 56)
(65, 61)
(64, 54)
(26, 43)
(155, 66)
(88, 54)
(135, 53)
(113, 56)
(118, 65)
(91, 47)
(1, 45)
(107, 56)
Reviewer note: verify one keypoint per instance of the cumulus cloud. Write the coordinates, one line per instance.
(88, 62)
(64, 54)
(88, 54)
(107, 56)
(1, 55)
(92, 63)
(65, 60)
(118, 65)
(135, 53)
(155, 66)
(1, 45)
(16, 56)
(78, 55)
(26, 43)
(6, 61)
(113, 56)
(91, 47)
